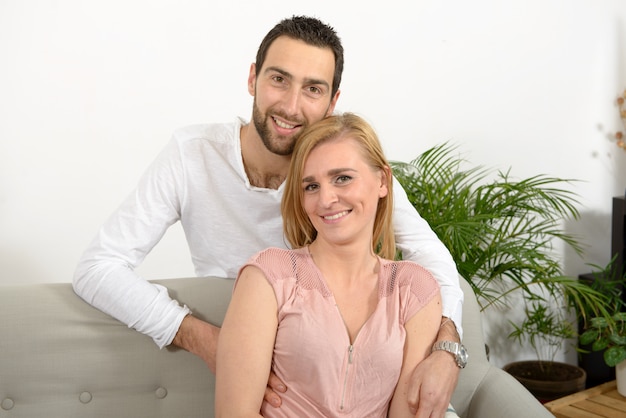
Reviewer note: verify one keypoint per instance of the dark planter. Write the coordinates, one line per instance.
(550, 382)
(593, 361)
(595, 367)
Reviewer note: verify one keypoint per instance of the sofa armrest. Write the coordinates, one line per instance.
(500, 395)
(484, 390)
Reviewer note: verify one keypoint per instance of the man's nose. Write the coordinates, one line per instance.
(292, 101)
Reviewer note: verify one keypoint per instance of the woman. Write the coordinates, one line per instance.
(337, 320)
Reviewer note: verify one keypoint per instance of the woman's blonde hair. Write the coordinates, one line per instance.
(297, 226)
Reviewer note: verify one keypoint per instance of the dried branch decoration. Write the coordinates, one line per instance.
(619, 135)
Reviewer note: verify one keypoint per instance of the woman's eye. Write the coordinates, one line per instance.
(343, 179)
(310, 187)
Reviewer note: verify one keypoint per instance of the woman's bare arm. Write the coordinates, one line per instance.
(421, 332)
(245, 347)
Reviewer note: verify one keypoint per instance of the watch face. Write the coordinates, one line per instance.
(463, 356)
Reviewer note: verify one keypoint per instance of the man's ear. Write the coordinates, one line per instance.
(333, 103)
(252, 80)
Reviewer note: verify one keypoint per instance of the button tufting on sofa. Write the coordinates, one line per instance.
(7, 404)
(161, 393)
(85, 397)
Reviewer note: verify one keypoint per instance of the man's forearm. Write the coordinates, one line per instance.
(447, 331)
(198, 337)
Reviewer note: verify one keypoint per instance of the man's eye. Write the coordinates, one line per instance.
(315, 90)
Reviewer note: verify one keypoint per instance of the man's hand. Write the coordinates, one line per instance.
(274, 386)
(434, 379)
(200, 338)
(432, 384)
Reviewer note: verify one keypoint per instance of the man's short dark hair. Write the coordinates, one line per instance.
(313, 32)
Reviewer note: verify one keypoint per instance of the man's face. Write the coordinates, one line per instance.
(291, 91)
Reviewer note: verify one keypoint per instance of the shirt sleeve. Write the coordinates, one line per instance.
(421, 287)
(105, 275)
(419, 243)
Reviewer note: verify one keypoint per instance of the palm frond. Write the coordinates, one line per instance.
(500, 231)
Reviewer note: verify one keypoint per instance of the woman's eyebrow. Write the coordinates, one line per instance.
(331, 172)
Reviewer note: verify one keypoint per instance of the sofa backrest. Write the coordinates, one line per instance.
(60, 357)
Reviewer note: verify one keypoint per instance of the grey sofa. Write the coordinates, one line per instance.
(59, 357)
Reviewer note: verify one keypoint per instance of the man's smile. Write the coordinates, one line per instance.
(282, 124)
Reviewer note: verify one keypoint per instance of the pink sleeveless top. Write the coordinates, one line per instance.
(326, 376)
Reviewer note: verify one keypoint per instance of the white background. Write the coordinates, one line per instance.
(90, 91)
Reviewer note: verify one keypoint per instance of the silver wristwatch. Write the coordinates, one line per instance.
(456, 349)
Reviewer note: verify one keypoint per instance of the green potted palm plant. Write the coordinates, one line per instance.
(500, 231)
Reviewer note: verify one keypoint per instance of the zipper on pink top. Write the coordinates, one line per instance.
(345, 380)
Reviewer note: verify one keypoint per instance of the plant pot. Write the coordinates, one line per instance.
(593, 364)
(620, 376)
(552, 381)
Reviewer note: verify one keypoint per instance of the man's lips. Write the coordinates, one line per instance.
(284, 125)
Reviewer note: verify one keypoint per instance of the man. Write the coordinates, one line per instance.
(224, 183)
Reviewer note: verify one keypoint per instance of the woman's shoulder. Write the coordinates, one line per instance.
(280, 262)
(408, 273)
(405, 267)
(271, 254)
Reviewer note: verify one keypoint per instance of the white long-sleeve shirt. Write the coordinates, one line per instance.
(199, 179)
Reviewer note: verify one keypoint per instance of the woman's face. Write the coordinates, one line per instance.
(341, 191)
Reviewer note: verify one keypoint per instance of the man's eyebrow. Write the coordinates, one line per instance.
(284, 73)
(288, 75)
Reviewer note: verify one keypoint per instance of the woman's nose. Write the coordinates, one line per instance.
(328, 196)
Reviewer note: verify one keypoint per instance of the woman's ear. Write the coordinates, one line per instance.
(385, 177)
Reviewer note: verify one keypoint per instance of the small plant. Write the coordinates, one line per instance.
(546, 332)
(608, 333)
(604, 281)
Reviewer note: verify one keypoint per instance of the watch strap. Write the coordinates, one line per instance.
(456, 349)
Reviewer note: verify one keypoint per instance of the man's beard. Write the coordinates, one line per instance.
(261, 124)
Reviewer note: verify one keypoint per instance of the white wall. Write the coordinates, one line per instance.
(90, 91)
